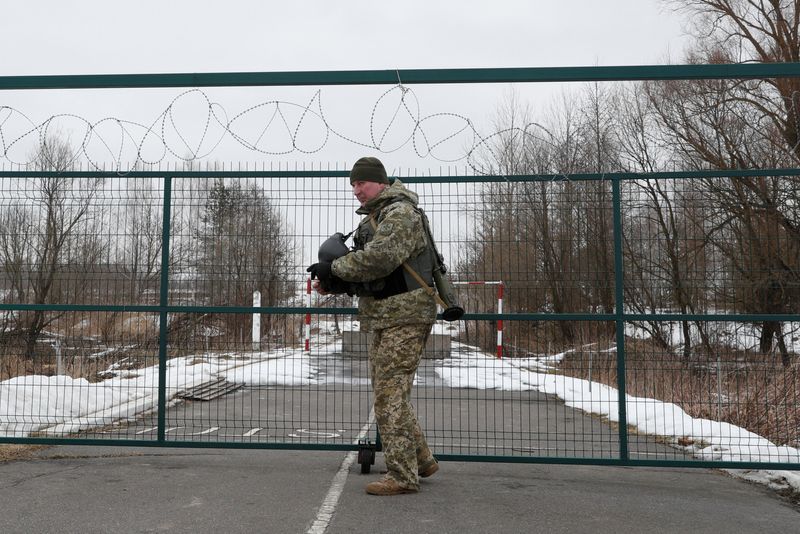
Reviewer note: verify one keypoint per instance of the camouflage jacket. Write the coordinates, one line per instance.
(398, 237)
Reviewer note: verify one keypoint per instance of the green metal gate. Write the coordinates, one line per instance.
(160, 352)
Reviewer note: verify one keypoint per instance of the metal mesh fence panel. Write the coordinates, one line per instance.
(608, 319)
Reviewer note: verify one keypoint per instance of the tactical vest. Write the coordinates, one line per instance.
(399, 281)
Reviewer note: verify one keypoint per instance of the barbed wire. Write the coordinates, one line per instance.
(164, 136)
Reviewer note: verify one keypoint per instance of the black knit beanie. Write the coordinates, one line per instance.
(368, 169)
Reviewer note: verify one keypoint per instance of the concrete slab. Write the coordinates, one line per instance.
(356, 343)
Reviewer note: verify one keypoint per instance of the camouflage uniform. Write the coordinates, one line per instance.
(400, 325)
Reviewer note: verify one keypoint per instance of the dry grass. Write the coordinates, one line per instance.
(75, 363)
(91, 342)
(10, 453)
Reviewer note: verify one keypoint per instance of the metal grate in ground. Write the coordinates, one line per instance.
(210, 390)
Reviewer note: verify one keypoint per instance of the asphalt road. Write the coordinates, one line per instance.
(457, 421)
(76, 488)
(99, 490)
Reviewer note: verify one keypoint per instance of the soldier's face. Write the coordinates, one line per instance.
(366, 191)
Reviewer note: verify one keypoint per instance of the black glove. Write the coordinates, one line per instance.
(337, 286)
(321, 271)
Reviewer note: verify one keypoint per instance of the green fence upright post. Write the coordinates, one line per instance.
(619, 311)
(163, 302)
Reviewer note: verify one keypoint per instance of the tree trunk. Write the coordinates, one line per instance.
(34, 331)
(785, 360)
(687, 340)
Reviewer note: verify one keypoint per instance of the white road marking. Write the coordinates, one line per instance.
(208, 431)
(302, 432)
(328, 507)
(196, 501)
(252, 432)
(147, 430)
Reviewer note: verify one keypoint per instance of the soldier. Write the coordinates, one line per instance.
(395, 308)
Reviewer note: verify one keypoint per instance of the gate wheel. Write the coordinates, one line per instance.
(366, 455)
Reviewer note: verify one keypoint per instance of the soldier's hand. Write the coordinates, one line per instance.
(321, 271)
(317, 285)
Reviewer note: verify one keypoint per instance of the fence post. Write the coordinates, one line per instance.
(619, 311)
(59, 363)
(163, 302)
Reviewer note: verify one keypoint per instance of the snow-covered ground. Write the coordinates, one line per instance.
(738, 335)
(710, 440)
(58, 405)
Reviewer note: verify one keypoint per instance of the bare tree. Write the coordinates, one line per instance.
(51, 245)
(243, 247)
(141, 254)
(600, 154)
(766, 31)
(550, 240)
(142, 248)
(138, 256)
(726, 124)
(663, 272)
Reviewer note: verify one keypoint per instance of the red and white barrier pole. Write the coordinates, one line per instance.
(308, 317)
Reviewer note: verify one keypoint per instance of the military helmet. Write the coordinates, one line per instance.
(333, 247)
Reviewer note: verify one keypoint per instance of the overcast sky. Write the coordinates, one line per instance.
(102, 36)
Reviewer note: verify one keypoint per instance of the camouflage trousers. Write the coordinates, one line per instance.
(394, 356)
